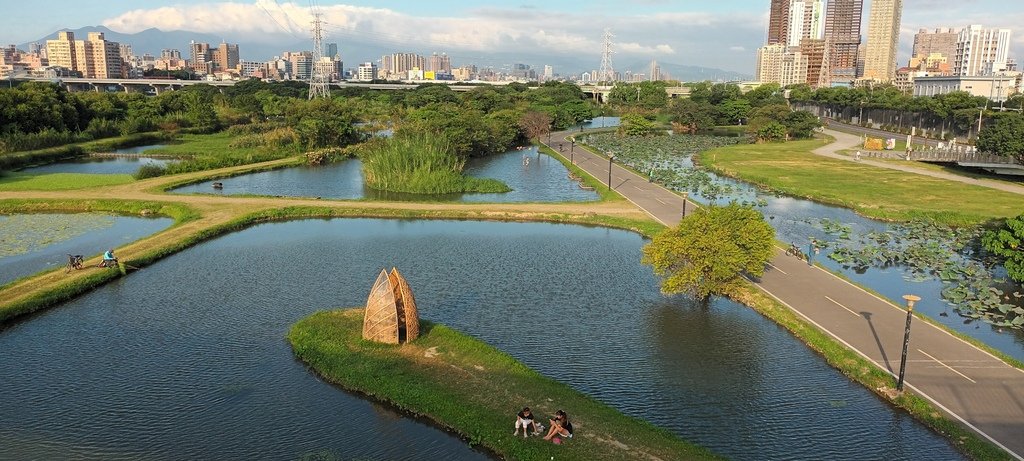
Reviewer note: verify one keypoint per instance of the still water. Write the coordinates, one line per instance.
(797, 221)
(533, 177)
(34, 243)
(147, 368)
(128, 164)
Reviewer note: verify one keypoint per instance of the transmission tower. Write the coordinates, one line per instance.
(317, 80)
(607, 73)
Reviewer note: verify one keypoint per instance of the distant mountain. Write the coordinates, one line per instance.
(355, 50)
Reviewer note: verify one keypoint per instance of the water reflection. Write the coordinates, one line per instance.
(127, 163)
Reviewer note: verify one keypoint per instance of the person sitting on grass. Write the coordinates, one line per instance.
(109, 260)
(524, 419)
(560, 428)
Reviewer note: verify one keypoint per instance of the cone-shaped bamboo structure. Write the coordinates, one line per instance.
(391, 316)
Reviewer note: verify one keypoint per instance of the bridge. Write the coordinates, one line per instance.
(992, 163)
(600, 92)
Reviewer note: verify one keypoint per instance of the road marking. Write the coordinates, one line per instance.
(660, 201)
(777, 268)
(947, 366)
(844, 307)
(637, 188)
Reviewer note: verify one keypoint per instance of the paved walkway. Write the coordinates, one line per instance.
(970, 385)
(846, 141)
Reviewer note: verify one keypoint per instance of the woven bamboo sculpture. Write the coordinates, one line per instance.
(391, 315)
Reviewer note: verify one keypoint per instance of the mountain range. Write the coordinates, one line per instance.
(355, 50)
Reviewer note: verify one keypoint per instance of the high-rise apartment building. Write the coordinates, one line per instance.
(655, 71)
(942, 41)
(842, 30)
(94, 57)
(806, 21)
(225, 56)
(778, 22)
(440, 63)
(883, 35)
(125, 50)
(61, 52)
(816, 52)
(401, 63)
(200, 57)
(981, 51)
(549, 72)
(366, 71)
(170, 53)
(778, 64)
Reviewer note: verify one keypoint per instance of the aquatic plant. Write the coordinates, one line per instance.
(667, 160)
(21, 234)
(930, 251)
(422, 164)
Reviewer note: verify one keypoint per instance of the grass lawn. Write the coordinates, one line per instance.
(876, 192)
(470, 388)
(60, 181)
(209, 151)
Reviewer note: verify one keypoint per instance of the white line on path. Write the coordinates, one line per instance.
(777, 268)
(947, 366)
(844, 307)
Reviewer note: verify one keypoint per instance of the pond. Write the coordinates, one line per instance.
(32, 243)
(533, 177)
(141, 368)
(798, 220)
(120, 161)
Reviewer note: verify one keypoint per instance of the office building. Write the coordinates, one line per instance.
(842, 30)
(883, 35)
(981, 51)
(996, 88)
(331, 51)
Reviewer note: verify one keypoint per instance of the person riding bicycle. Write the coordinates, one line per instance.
(109, 260)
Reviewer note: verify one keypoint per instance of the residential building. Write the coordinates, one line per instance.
(549, 72)
(200, 57)
(301, 64)
(780, 64)
(806, 21)
(366, 71)
(935, 64)
(464, 73)
(170, 53)
(225, 57)
(61, 52)
(440, 63)
(655, 71)
(816, 52)
(994, 87)
(94, 57)
(883, 35)
(399, 64)
(125, 50)
(778, 22)
(981, 51)
(250, 68)
(842, 30)
(942, 41)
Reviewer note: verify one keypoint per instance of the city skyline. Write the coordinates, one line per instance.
(723, 35)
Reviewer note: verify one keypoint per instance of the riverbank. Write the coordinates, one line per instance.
(880, 193)
(474, 390)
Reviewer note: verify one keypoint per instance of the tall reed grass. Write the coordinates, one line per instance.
(420, 164)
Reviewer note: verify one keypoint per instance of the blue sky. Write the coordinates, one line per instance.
(722, 33)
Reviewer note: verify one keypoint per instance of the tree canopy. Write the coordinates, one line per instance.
(1005, 137)
(1007, 242)
(708, 251)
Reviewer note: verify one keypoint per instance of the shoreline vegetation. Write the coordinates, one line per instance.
(471, 389)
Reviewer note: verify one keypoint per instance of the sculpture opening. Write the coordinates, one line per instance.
(391, 315)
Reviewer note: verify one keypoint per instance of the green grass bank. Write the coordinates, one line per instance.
(474, 390)
(792, 169)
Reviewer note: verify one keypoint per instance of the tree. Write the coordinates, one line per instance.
(691, 116)
(801, 124)
(635, 125)
(771, 132)
(708, 251)
(535, 124)
(1008, 242)
(1005, 137)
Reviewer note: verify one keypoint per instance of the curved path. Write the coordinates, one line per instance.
(969, 384)
(845, 141)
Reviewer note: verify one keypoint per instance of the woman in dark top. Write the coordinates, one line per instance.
(524, 419)
(560, 426)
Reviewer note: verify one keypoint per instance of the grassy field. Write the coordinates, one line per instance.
(209, 151)
(474, 390)
(60, 181)
(875, 192)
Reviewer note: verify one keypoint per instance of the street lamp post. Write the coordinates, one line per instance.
(911, 299)
(685, 195)
(611, 158)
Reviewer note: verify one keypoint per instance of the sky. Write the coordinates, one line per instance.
(709, 33)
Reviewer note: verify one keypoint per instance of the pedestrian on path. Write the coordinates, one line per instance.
(812, 248)
(857, 156)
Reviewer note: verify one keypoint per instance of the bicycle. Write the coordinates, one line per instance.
(74, 262)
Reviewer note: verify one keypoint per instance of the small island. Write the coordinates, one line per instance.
(474, 390)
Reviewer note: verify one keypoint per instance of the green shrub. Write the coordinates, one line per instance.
(149, 170)
(420, 164)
